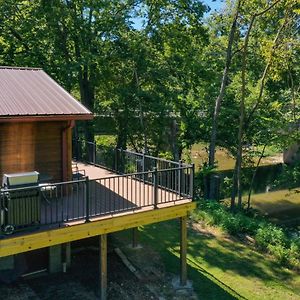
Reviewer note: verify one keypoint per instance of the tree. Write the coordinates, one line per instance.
(261, 87)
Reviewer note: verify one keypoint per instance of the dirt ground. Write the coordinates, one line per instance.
(81, 280)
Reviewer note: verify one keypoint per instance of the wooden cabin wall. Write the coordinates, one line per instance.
(35, 146)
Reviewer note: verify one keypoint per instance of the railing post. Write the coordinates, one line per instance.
(87, 200)
(192, 181)
(155, 187)
(94, 152)
(116, 159)
(143, 166)
(179, 177)
(78, 149)
(122, 170)
(81, 149)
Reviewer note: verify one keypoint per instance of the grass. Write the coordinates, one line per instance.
(220, 268)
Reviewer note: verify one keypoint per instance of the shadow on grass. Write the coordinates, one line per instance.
(225, 255)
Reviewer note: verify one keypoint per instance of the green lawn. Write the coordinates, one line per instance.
(219, 267)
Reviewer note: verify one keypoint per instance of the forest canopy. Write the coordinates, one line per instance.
(230, 78)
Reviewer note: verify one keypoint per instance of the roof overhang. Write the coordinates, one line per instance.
(44, 118)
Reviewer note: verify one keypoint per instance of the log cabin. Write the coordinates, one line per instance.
(43, 219)
(36, 119)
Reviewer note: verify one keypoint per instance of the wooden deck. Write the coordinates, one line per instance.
(111, 196)
(94, 172)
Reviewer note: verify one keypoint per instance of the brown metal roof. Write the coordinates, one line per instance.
(31, 93)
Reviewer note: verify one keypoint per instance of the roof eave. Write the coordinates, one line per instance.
(44, 118)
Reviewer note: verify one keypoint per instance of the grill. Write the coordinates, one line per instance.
(19, 207)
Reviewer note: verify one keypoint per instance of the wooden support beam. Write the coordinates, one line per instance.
(103, 267)
(183, 251)
(55, 259)
(68, 254)
(134, 237)
(31, 241)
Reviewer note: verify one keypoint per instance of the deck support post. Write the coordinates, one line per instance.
(66, 256)
(134, 237)
(55, 259)
(183, 251)
(103, 266)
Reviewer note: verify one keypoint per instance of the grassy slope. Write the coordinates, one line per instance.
(221, 268)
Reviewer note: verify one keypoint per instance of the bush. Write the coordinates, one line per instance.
(293, 257)
(270, 235)
(279, 252)
(214, 213)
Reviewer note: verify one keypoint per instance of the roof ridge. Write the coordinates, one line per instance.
(20, 68)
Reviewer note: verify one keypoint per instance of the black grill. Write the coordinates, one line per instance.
(20, 201)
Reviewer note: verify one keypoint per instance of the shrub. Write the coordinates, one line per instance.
(293, 255)
(270, 235)
(279, 252)
(214, 213)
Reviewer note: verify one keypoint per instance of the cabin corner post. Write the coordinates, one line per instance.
(183, 250)
(103, 267)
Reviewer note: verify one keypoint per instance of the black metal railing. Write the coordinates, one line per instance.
(142, 181)
(60, 203)
(119, 160)
(92, 153)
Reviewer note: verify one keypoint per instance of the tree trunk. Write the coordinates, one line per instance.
(87, 99)
(212, 146)
(239, 157)
(253, 176)
(224, 82)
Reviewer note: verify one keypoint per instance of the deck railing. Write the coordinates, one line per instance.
(142, 181)
(120, 160)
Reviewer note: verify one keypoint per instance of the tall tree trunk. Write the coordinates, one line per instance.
(212, 146)
(87, 99)
(239, 158)
(174, 139)
(254, 175)
(224, 82)
(141, 114)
